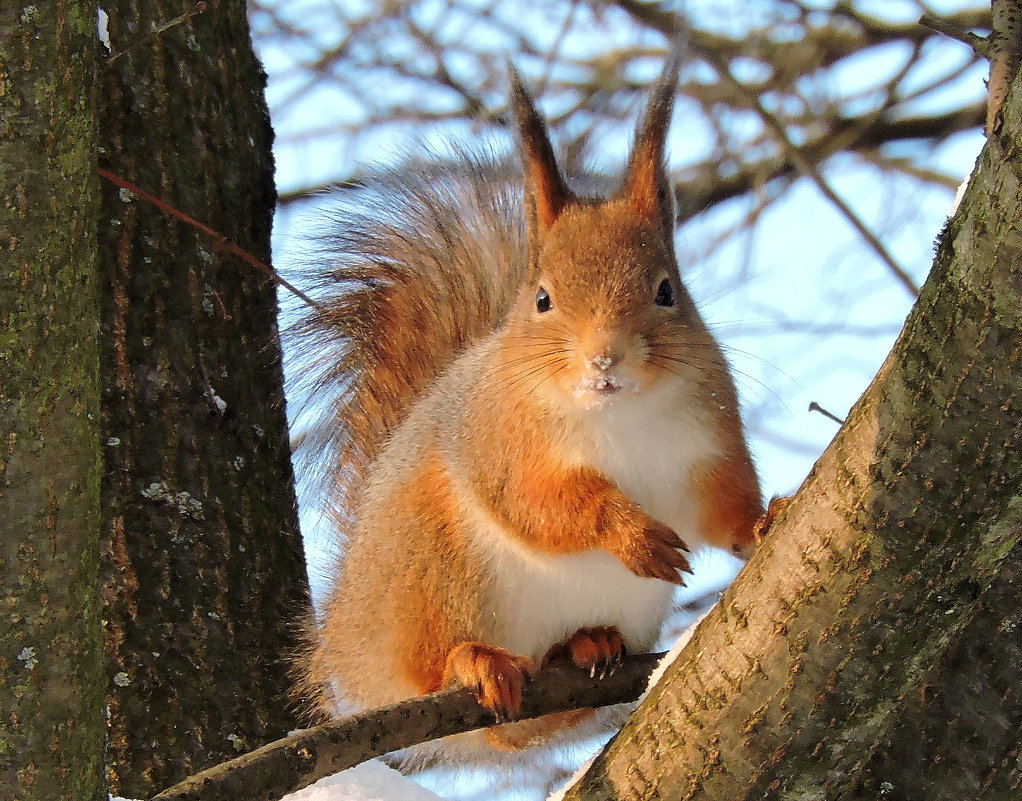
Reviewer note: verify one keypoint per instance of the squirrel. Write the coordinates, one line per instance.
(532, 426)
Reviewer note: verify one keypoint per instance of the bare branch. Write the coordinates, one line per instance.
(979, 44)
(810, 170)
(1005, 55)
(289, 764)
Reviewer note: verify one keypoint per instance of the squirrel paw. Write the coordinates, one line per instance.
(493, 674)
(656, 552)
(600, 649)
(762, 526)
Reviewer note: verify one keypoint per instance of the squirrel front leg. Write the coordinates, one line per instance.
(578, 509)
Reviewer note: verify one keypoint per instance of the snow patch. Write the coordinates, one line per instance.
(370, 781)
(959, 195)
(103, 28)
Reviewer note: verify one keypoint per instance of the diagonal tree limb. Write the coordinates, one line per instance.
(294, 762)
(979, 44)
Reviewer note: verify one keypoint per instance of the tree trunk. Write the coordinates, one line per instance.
(959, 732)
(51, 729)
(871, 648)
(204, 576)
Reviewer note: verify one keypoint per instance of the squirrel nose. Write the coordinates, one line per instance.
(603, 351)
(603, 360)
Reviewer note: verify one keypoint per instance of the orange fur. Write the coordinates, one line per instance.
(489, 450)
(496, 675)
(729, 506)
(569, 511)
(599, 647)
(534, 731)
(597, 650)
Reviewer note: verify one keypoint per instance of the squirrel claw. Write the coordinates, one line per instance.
(656, 552)
(599, 648)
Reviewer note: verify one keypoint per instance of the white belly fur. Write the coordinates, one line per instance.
(540, 599)
(649, 449)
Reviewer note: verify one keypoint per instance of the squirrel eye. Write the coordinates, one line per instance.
(664, 294)
(543, 303)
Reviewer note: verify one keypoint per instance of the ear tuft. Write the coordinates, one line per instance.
(647, 184)
(545, 189)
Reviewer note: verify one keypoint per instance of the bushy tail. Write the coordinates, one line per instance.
(415, 266)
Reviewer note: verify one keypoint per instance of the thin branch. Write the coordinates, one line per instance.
(808, 168)
(198, 8)
(291, 763)
(219, 239)
(699, 190)
(980, 44)
(815, 407)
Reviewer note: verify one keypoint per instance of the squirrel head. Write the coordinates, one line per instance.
(603, 314)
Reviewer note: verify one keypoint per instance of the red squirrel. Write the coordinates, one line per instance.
(533, 425)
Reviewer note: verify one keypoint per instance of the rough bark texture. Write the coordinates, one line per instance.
(961, 729)
(51, 730)
(204, 575)
(838, 666)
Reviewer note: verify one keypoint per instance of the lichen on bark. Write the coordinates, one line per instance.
(51, 730)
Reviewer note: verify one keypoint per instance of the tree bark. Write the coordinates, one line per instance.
(51, 729)
(835, 667)
(961, 729)
(204, 577)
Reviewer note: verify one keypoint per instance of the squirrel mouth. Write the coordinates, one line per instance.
(597, 390)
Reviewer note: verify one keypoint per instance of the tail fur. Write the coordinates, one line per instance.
(419, 263)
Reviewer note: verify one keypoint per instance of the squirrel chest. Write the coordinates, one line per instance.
(649, 450)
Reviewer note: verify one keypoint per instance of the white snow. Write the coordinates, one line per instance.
(103, 31)
(370, 781)
(959, 195)
(671, 655)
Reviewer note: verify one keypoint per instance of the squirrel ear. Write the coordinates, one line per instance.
(647, 184)
(545, 190)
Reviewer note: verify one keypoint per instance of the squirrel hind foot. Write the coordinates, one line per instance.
(763, 525)
(495, 676)
(598, 649)
(534, 732)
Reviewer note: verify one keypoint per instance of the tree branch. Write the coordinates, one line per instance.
(1005, 45)
(902, 542)
(979, 44)
(808, 168)
(700, 189)
(294, 762)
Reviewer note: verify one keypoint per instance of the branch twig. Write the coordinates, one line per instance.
(221, 241)
(807, 167)
(980, 44)
(291, 763)
(815, 407)
(198, 8)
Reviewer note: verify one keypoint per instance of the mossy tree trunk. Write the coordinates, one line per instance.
(871, 649)
(51, 728)
(204, 576)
